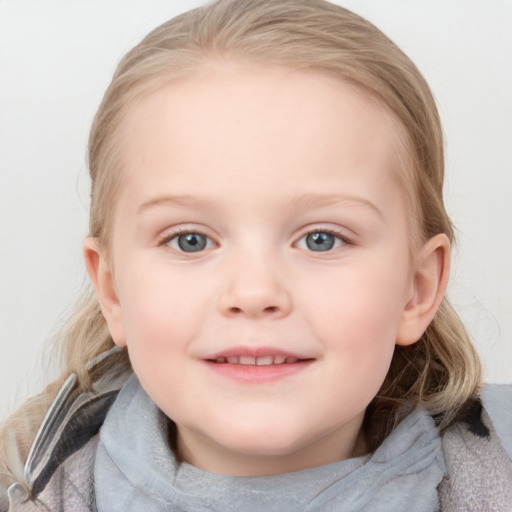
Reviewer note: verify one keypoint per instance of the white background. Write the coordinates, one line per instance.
(56, 59)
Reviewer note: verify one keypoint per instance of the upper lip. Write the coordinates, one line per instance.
(260, 351)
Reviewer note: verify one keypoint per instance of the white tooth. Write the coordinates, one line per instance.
(279, 359)
(264, 361)
(291, 360)
(220, 360)
(233, 359)
(247, 360)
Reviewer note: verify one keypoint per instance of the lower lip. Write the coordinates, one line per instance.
(258, 374)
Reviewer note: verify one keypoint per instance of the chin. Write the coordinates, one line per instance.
(267, 441)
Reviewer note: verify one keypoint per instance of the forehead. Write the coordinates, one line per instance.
(231, 123)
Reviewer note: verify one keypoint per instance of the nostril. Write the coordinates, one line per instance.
(268, 310)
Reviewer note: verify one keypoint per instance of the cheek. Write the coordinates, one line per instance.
(357, 318)
(160, 323)
(365, 304)
(159, 315)
(359, 335)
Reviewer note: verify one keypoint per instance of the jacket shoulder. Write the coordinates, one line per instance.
(497, 401)
(71, 486)
(60, 463)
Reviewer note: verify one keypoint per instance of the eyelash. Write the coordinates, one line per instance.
(339, 236)
(168, 237)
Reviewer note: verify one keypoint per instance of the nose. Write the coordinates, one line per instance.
(255, 289)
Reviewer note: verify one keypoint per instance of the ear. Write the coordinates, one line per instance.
(102, 278)
(431, 269)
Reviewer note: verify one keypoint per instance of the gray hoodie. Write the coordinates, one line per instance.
(136, 471)
(129, 467)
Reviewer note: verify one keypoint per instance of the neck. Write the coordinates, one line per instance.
(205, 454)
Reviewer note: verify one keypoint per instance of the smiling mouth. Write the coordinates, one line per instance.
(257, 361)
(257, 366)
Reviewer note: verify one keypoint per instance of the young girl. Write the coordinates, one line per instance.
(269, 253)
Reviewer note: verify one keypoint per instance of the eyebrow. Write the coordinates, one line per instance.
(167, 200)
(303, 202)
(319, 200)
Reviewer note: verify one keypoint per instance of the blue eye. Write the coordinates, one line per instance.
(320, 241)
(189, 242)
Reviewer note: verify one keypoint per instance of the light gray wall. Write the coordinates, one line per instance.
(56, 59)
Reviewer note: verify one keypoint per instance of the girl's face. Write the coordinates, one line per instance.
(262, 272)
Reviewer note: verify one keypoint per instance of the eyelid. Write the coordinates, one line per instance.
(176, 231)
(338, 233)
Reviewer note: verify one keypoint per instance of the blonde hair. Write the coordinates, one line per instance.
(441, 371)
